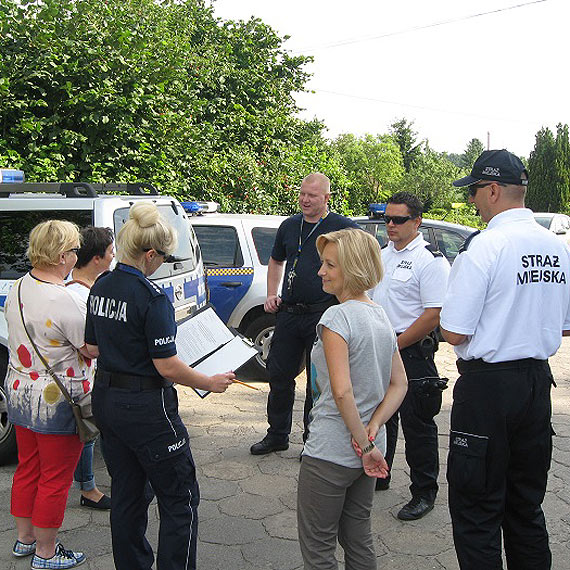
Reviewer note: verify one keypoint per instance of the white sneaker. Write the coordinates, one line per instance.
(61, 560)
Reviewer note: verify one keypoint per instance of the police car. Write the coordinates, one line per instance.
(236, 250)
(24, 205)
(444, 236)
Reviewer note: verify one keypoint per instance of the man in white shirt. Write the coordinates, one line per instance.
(412, 293)
(506, 309)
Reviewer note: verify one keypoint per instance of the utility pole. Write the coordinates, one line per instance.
(488, 140)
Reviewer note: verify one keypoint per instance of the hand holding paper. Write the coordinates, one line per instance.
(221, 382)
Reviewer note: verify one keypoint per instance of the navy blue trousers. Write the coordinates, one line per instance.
(146, 448)
(420, 430)
(291, 346)
(499, 456)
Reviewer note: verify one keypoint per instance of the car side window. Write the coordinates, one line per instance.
(263, 239)
(378, 231)
(425, 233)
(220, 246)
(448, 243)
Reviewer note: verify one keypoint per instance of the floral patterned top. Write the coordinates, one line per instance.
(55, 319)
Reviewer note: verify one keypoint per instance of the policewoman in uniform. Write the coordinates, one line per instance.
(131, 327)
(299, 307)
(412, 293)
(506, 309)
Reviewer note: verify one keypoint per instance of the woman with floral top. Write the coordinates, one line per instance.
(48, 444)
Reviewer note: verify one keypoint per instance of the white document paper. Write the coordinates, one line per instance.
(230, 357)
(201, 335)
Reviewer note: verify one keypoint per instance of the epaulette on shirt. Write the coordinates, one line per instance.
(468, 241)
(433, 250)
(156, 290)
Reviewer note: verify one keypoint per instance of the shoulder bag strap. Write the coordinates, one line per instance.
(44, 361)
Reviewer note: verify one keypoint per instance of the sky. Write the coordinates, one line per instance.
(496, 70)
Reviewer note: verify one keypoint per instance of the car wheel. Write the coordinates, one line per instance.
(260, 332)
(8, 449)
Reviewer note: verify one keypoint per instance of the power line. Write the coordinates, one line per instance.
(421, 107)
(415, 28)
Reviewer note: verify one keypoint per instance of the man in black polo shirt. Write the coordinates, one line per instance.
(299, 307)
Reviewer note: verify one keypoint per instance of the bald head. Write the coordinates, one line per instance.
(318, 181)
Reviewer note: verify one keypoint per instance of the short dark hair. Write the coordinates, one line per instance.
(94, 241)
(414, 204)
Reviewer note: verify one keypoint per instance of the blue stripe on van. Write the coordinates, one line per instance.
(169, 293)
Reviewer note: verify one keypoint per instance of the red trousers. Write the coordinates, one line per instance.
(46, 463)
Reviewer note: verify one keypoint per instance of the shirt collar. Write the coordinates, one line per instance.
(130, 269)
(416, 242)
(511, 215)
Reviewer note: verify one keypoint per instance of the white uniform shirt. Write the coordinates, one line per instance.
(509, 292)
(414, 280)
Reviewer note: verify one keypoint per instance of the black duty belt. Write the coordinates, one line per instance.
(132, 381)
(479, 364)
(305, 308)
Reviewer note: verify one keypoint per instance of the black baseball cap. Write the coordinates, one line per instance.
(497, 166)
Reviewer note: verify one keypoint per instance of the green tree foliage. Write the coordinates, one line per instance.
(430, 178)
(542, 194)
(373, 167)
(140, 89)
(406, 138)
(474, 149)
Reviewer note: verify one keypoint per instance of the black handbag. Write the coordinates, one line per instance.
(82, 412)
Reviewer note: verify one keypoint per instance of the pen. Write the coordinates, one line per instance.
(244, 384)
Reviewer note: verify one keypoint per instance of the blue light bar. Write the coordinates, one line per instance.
(200, 207)
(191, 207)
(11, 176)
(377, 209)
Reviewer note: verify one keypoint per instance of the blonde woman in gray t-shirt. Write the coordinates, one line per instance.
(358, 382)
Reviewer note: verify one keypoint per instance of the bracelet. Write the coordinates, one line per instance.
(368, 448)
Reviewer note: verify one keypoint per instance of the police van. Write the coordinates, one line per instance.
(236, 250)
(24, 205)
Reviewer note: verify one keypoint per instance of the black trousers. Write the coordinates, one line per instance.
(291, 345)
(419, 427)
(145, 445)
(499, 456)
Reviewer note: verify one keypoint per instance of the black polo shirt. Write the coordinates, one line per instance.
(307, 287)
(131, 320)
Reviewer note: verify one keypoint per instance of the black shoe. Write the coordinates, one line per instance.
(267, 445)
(103, 504)
(382, 484)
(415, 509)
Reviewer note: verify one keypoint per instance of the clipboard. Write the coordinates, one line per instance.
(206, 344)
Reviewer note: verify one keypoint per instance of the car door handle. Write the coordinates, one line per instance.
(231, 284)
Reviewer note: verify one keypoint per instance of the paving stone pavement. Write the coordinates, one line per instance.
(247, 513)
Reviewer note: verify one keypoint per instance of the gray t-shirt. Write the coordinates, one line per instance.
(371, 345)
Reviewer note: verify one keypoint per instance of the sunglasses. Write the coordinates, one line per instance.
(73, 250)
(474, 187)
(167, 258)
(398, 220)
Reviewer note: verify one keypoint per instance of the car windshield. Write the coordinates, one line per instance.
(186, 248)
(543, 220)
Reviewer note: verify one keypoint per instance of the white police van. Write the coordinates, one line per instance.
(236, 250)
(23, 205)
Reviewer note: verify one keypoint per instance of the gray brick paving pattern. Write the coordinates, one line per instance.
(247, 513)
